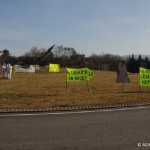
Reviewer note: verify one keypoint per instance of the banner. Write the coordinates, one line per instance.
(20, 69)
(78, 75)
(54, 67)
(37, 67)
(14, 69)
(144, 77)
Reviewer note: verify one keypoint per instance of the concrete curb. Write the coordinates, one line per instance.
(73, 108)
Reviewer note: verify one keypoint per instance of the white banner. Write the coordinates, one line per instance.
(18, 69)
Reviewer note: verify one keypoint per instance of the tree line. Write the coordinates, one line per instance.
(133, 64)
(69, 57)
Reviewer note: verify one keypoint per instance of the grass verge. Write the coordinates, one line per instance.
(49, 90)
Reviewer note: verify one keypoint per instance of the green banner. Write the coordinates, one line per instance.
(14, 69)
(144, 77)
(78, 75)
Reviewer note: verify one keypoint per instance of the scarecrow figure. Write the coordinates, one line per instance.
(122, 75)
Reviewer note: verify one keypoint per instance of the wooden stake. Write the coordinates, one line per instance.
(87, 86)
(66, 83)
(139, 89)
(139, 86)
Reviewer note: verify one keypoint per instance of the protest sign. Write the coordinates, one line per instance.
(144, 77)
(78, 75)
(14, 69)
(54, 67)
(20, 69)
(37, 67)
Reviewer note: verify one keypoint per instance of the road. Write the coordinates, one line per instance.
(99, 130)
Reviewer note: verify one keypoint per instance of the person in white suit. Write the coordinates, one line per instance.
(9, 71)
(4, 71)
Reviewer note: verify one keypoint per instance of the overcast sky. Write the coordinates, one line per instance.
(90, 26)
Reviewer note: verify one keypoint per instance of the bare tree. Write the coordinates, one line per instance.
(35, 52)
(60, 51)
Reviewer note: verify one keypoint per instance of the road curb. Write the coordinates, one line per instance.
(73, 108)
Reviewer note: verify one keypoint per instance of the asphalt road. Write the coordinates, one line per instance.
(101, 130)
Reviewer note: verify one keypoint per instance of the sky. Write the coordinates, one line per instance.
(120, 27)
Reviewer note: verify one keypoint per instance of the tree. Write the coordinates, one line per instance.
(35, 52)
(33, 57)
(61, 51)
(147, 62)
(77, 60)
(6, 56)
(139, 61)
(6, 53)
(132, 65)
(111, 60)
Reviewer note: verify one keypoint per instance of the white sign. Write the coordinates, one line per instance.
(18, 69)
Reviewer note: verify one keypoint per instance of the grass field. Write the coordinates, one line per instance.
(45, 89)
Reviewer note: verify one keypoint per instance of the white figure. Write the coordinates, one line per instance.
(4, 71)
(9, 71)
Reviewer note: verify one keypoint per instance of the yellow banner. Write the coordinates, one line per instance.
(78, 75)
(144, 77)
(54, 67)
(14, 69)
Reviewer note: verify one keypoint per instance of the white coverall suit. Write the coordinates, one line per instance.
(9, 71)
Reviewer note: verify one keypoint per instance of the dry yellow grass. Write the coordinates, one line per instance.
(49, 90)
